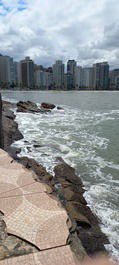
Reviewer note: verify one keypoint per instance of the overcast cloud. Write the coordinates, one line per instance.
(47, 30)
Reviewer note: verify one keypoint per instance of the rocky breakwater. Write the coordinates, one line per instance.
(85, 235)
(68, 187)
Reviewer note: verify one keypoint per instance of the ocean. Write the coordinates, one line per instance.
(86, 135)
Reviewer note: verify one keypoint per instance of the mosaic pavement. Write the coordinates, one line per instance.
(32, 214)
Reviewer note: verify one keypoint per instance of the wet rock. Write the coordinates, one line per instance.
(12, 151)
(27, 107)
(7, 104)
(59, 108)
(47, 105)
(39, 170)
(10, 129)
(68, 173)
(37, 145)
(9, 114)
(30, 107)
(70, 191)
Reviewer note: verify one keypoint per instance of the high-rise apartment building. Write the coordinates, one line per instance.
(87, 77)
(78, 77)
(71, 68)
(114, 75)
(68, 81)
(39, 78)
(43, 79)
(101, 75)
(7, 71)
(48, 79)
(58, 75)
(27, 72)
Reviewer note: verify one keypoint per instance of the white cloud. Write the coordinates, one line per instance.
(49, 30)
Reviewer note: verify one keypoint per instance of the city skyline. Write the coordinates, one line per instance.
(26, 73)
(84, 30)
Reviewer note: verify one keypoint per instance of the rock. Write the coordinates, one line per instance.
(69, 189)
(30, 107)
(10, 129)
(47, 105)
(37, 145)
(59, 108)
(9, 114)
(39, 170)
(12, 151)
(76, 246)
(8, 104)
(68, 173)
(27, 107)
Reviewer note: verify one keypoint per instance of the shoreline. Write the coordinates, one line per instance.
(73, 90)
(85, 225)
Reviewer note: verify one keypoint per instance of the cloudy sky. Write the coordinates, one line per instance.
(47, 30)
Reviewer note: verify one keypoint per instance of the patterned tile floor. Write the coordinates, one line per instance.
(32, 214)
(57, 256)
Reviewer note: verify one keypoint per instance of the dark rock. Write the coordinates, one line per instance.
(37, 145)
(10, 129)
(68, 173)
(9, 114)
(27, 107)
(12, 151)
(40, 171)
(59, 108)
(8, 104)
(70, 192)
(30, 107)
(47, 105)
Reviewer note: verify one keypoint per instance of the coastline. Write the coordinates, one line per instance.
(58, 90)
(85, 225)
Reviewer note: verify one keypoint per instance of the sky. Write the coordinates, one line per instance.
(49, 30)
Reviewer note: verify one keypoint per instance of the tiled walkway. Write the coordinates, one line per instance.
(58, 256)
(32, 214)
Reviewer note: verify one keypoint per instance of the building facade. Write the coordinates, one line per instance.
(27, 72)
(78, 77)
(71, 68)
(68, 81)
(58, 75)
(101, 75)
(7, 71)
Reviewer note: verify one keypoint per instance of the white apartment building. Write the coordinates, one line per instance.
(43, 80)
(78, 77)
(87, 77)
(39, 78)
(58, 75)
(71, 68)
(7, 70)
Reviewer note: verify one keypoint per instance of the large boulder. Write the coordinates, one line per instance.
(10, 129)
(28, 107)
(45, 105)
